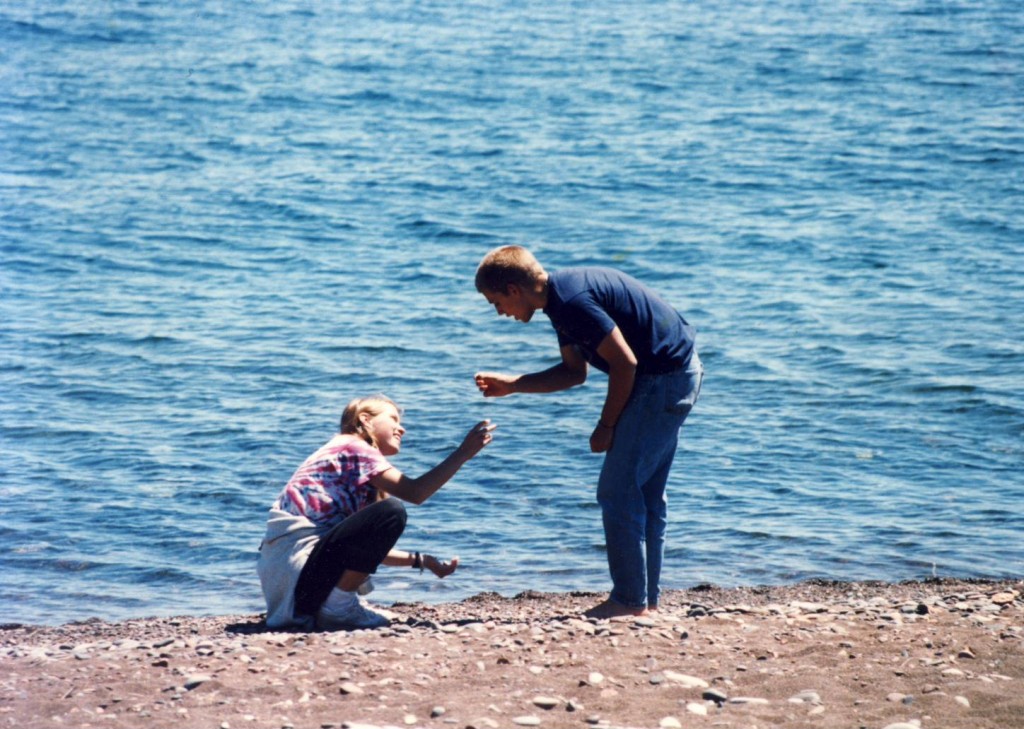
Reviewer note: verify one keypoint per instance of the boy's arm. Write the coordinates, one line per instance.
(571, 371)
(621, 375)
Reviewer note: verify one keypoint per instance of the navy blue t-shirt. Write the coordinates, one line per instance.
(585, 304)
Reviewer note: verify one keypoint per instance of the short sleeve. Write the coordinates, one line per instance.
(370, 461)
(586, 323)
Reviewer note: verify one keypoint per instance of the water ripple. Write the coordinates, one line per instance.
(207, 250)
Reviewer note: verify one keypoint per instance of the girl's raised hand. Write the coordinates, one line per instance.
(477, 437)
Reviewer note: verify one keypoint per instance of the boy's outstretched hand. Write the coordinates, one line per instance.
(492, 384)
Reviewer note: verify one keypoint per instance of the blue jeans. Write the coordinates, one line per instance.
(631, 488)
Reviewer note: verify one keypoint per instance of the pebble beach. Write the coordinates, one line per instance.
(913, 655)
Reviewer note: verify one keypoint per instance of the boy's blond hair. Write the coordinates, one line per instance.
(506, 266)
(374, 405)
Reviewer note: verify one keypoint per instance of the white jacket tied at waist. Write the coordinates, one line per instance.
(285, 549)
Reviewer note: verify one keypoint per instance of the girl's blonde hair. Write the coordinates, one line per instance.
(374, 405)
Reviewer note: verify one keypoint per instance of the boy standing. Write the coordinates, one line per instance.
(610, 320)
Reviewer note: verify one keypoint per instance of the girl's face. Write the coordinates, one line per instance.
(386, 429)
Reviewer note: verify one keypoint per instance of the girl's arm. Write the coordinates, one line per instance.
(418, 490)
(441, 568)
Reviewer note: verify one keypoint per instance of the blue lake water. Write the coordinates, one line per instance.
(219, 221)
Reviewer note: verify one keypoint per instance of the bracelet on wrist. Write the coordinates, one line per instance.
(417, 561)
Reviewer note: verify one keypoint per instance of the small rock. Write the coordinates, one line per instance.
(698, 709)
(750, 700)
(545, 702)
(713, 695)
(1004, 598)
(595, 678)
(483, 722)
(436, 712)
(670, 722)
(196, 680)
(966, 653)
(349, 688)
(806, 697)
(903, 725)
(526, 721)
(962, 700)
(684, 680)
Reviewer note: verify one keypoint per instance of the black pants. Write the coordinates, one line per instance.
(360, 543)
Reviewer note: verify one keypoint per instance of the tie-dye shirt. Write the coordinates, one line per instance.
(334, 482)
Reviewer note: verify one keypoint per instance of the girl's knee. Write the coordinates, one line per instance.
(393, 511)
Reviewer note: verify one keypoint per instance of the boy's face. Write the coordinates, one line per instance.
(512, 303)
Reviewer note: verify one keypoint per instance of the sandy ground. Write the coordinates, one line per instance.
(933, 654)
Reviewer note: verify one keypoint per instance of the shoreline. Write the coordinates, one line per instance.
(938, 653)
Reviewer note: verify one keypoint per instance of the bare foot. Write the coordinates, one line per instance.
(611, 609)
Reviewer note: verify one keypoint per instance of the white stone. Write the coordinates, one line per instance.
(195, 680)
(807, 696)
(698, 709)
(684, 680)
(670, 722)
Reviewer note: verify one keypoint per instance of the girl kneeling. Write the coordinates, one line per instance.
(334, 523)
